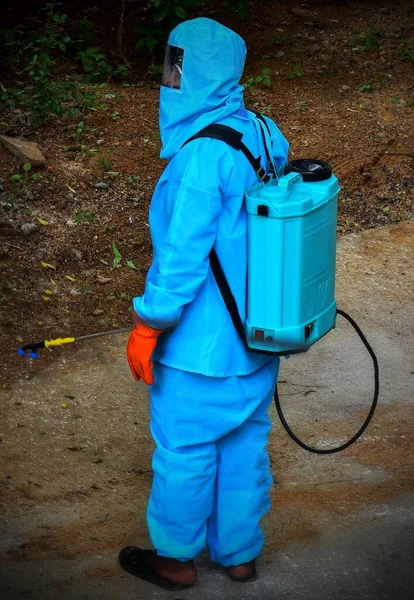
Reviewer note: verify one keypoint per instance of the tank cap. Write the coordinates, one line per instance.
(311, 169)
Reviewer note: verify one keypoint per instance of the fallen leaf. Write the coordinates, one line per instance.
(46, 298)
(42, 221)
(48, 266)
(53, 282)
(103, 279)
(131, 265)
(47, 291)
(63, 405)
(70, 278)
(71, 189)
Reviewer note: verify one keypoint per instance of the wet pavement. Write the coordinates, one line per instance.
(75, 460)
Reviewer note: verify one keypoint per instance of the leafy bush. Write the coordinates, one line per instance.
(257, 80)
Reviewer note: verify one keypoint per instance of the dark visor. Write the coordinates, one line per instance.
(173, 66)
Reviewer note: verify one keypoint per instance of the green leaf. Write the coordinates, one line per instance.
(117, 255)
(16, 177)
(266, 71)
(180, 12)
(131, 265)
(27, 167)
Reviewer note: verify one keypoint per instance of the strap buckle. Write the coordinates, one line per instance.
(262, 175)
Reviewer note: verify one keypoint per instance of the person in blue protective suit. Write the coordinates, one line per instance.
(209, 395)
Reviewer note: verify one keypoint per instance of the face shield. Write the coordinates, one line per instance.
(173, 67)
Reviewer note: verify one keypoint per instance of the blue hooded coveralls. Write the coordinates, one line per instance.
(210, 396)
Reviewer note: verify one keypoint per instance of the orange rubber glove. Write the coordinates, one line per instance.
(140, 347)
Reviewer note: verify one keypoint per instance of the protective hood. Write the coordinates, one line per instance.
(212, 64)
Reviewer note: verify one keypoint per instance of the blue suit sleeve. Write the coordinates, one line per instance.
(193, 198)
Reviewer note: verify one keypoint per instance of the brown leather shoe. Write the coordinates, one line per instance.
(244, 572)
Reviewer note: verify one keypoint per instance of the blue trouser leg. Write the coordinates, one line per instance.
(210, 463)
(242, 491)
(181, 498)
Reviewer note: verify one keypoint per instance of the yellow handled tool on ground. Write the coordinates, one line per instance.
(30, 349)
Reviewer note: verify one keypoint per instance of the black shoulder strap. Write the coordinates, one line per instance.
(261, 118)
(227, 295)
(233, 138)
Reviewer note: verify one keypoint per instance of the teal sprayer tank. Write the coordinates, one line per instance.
(291, 258)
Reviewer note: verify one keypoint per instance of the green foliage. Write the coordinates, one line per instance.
(295, 72)
(132, 179)
(258, 80)
(370, 39)
(171, 11)
(240, 7)
(84, 217)
(150, 38)
(95, 63)
(23, 182)
(79, 132)
(105, 163)
(301, 106)
(117, 255)
(164, 15)
(154, 72)
(367, 87)
(34, 54)
(49, 97)
(122, 72)
(407, 54)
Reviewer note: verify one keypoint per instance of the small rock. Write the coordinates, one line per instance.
(366, 175)
(71, 223)
(302, 12)
(98, 312)
(99, 142)
(28, 152)
(345, 88)
(101, 185)
(77, 253)
(28, 228)
(279, 55)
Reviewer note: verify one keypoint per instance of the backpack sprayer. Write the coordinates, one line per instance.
(291, 265)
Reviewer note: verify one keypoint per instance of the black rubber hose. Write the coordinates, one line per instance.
(370, 414)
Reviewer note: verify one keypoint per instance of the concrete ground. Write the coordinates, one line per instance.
(75, 461)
